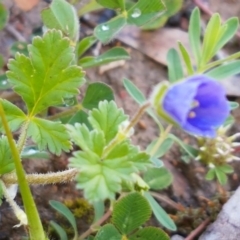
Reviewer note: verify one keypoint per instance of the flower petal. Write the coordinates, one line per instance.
(178, 100)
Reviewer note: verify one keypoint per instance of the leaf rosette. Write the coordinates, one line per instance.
(101, 172)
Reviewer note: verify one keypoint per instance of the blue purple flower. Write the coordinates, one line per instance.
(198, 105)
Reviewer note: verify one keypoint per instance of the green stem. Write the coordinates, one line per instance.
(118, 139)
(160, 140)
(67, 112)
(35, 226)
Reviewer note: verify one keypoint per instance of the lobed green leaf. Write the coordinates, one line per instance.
(47, 76)
(51, 135)
(107, 118)
(87, 140)
(15, 116)
(6, 159)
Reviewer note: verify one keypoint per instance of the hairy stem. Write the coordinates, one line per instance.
(160, 140)
(23, 136)
(43, 178)
(35, 226)
(93, 227)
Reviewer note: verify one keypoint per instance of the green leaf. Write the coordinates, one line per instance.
(44, 79)
(60, 231)
(19, 47)
(107, 118)
(172, 7)
(6, 160)
(99, 209)
(108, 232)
(158, 178)
(186, 58)
(224, 71)
(34, 152)
(90, 6)
(211, 37)
(62, 209)
(130, 212)
(105, 32)
(80, 117)
(114, 54)
(95, 93)
(87, 140)
(15, 116)
(144, 11)
(210, 174)
(160, 213)
(231, 29)
(221, 176)
(138, 96)
(98, 178)
(165, 146)
(150, 233)
(133, 91)
(175, 71)
(4, 15)
(112, 4)
(51, 135)
(226, 168)
(85, 44)
(194, 34)
(61, 15)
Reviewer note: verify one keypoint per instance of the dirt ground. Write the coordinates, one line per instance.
(189, 186)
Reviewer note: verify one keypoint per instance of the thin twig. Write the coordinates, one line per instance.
(198, 230)
(10, 29)
(93, 227)
(167, 200)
